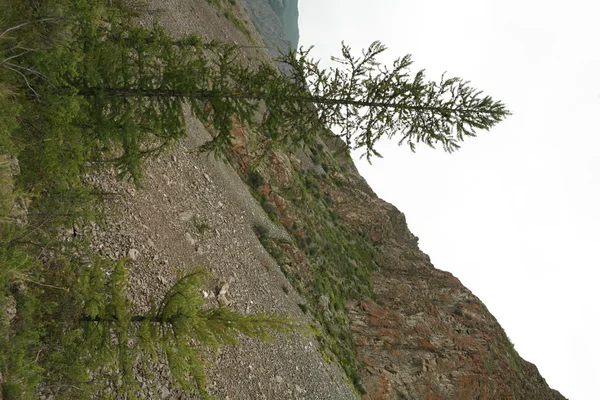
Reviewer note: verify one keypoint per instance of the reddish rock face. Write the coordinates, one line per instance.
(423, 335)
(426, 336)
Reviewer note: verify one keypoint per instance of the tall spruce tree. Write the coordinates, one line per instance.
(136, 81)
(364, 99)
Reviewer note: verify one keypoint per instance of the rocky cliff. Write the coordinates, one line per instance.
(417, 332)
(423, 335)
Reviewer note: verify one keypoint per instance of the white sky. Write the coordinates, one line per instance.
(515, 214)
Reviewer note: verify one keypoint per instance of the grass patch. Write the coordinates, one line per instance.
(340, 259)
(227, 9)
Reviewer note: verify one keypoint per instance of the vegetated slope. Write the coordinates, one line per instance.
(400, 327)
(328, 234)
(193, 210)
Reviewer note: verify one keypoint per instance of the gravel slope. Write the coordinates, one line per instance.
(195, 210)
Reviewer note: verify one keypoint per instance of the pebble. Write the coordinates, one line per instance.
(190, 239)
(133, 254)
(164, 392)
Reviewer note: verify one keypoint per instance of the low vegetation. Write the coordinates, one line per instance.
(335, 262)
(229, 9)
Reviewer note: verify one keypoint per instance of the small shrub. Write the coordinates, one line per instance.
(201, 226)
(269, 208)
(260, 230)
(255, 179)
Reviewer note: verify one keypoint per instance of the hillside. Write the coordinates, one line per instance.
(290, 232)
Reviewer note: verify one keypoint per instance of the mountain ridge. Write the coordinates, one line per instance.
(422, 334)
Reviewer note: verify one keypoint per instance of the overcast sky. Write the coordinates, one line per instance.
(515, 213)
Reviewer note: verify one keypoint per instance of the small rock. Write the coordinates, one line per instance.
(222, 296)
(279, 379)
(187, 215)
(190, 239)
(133, 254)
(208, 294)
(391, 368)
(164, 392)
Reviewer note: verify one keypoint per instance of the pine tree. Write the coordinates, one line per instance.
(131, 84)
(109, 339)
(367, 100)
(362, 98)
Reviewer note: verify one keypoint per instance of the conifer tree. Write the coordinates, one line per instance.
(136, 81)
(364, 99)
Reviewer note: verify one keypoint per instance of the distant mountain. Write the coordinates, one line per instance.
(276, 21)
(287, 11)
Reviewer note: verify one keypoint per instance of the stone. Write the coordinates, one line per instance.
(133, 254)
(222, 296)
(164, 392)
(188, 238)
(187, 215)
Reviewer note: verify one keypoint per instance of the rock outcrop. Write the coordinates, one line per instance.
(424, 335)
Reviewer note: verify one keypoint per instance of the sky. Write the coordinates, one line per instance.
(514, 214)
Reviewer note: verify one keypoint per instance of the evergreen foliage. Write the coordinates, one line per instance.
(367, 100)
(75, 331)
(121, 89)
(67, 320)
(110, 340)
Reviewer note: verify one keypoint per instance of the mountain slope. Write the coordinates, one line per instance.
(301, 233)
(421, 334)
